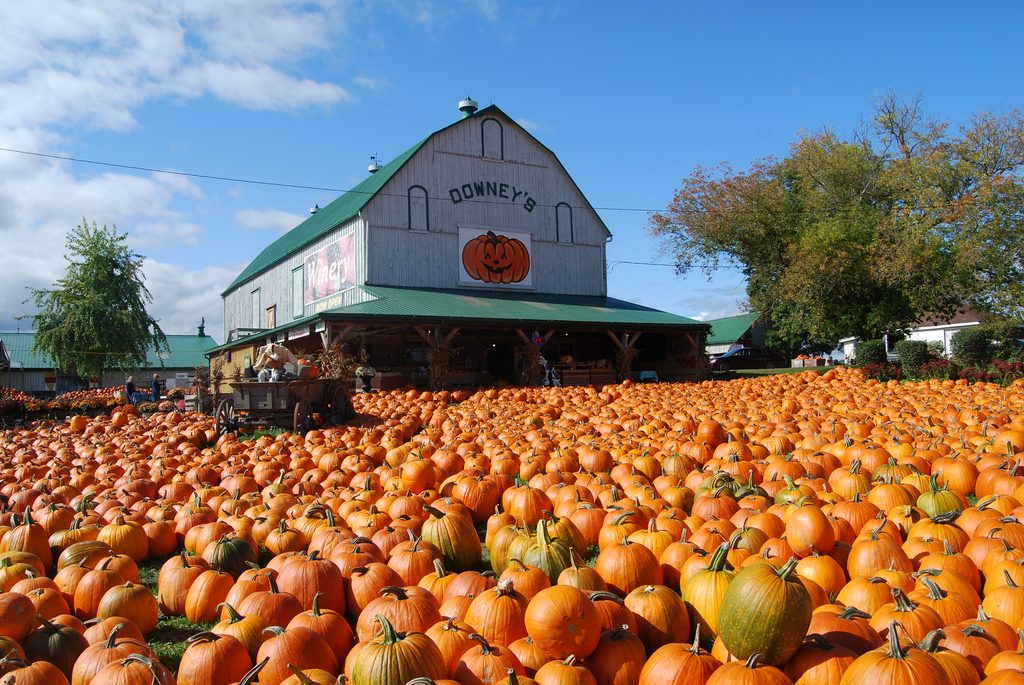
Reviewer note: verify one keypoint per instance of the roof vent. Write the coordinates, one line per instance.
(374, 165)
(314, 209)
(467, 106)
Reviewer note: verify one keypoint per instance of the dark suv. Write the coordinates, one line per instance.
(748, 358)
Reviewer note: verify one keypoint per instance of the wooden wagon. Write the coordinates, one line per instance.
(286, 404)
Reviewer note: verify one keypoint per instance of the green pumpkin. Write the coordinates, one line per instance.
(550, 555)
(230, 554)
(937, 502)
(394, 658)
(765, 611)
(456, 538)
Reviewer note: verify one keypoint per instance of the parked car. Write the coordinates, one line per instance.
(748, 358)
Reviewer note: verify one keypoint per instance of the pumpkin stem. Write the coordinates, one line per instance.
(903, 603)
(787, 568)
(605, 595)
(397, 592)
(315, 610)
(439, 570)
(112, 638)
(930, 643)
(934, 591)
(233, 615)
(505, 588)
(205, 636)
(300, 675)
(895, 650)
(752, 661)
(485, 646)
(719, 560)
(695, 647)
(252, 675)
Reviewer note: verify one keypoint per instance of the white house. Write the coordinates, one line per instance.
(931, 328)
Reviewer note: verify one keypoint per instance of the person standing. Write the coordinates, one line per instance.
(129, 389)
(156, 387)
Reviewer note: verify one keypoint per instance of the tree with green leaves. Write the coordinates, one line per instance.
(862, 236)
(95, 318)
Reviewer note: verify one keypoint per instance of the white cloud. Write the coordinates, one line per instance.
(181, 298)
(532, 126)
(151, 234)
(268, 219)
(372, 83)
(68, 67)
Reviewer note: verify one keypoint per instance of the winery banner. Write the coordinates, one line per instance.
(330, 269)
(495, 258)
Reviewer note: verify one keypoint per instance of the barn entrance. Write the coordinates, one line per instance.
(501, 362)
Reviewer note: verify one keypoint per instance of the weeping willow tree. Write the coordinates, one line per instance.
(94, 317)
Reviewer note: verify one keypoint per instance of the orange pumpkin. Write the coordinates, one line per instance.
(494, 258)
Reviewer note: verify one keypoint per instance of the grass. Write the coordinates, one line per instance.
(170, 638)
(725, 375)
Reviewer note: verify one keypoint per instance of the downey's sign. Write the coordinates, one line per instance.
(330, 269)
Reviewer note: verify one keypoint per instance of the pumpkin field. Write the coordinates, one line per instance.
(802, 528)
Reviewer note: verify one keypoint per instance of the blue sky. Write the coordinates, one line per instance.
(629, 96)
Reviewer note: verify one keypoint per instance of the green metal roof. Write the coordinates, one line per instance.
(731, 328)
(504, 307)
(352, 201)
(186, 351)
(326, 219)
(482, 308)
(19, 350)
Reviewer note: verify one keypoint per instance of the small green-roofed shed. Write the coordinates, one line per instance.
(734, 330)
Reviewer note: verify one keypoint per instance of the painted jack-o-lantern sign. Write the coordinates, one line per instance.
(495, 258)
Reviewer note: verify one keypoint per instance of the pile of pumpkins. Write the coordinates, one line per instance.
(801, 528)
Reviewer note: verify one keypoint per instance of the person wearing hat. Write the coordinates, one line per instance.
(156, 387)
(129, 389)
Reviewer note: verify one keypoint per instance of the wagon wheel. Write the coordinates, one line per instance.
(340, 405)
(302, 420)
(225, 417)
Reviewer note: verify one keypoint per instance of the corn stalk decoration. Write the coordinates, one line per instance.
(335, 361)
(440, 359)
(532, 371)
(216, 378)
(624, 359)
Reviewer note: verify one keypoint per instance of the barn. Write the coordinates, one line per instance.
(469, 259)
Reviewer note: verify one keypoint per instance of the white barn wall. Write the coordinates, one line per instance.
(400, 256)
(389, 253)
(275, 284)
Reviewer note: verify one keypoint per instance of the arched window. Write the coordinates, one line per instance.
(563, 222)
(492, 137)
(419, 214)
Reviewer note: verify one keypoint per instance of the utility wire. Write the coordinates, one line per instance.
(275, 184)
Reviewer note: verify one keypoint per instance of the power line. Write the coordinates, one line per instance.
(276, 184)
(614, 262)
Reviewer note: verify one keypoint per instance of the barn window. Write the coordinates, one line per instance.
(492, 137)
(256, 310)
(298, 294)
(419, 215)
(563, 222)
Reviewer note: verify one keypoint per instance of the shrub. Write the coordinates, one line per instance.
(973, 345)
(882, 371)
(1005, 343)
(912, 354)
(941, 369)
(870, 352)
(936, 348)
